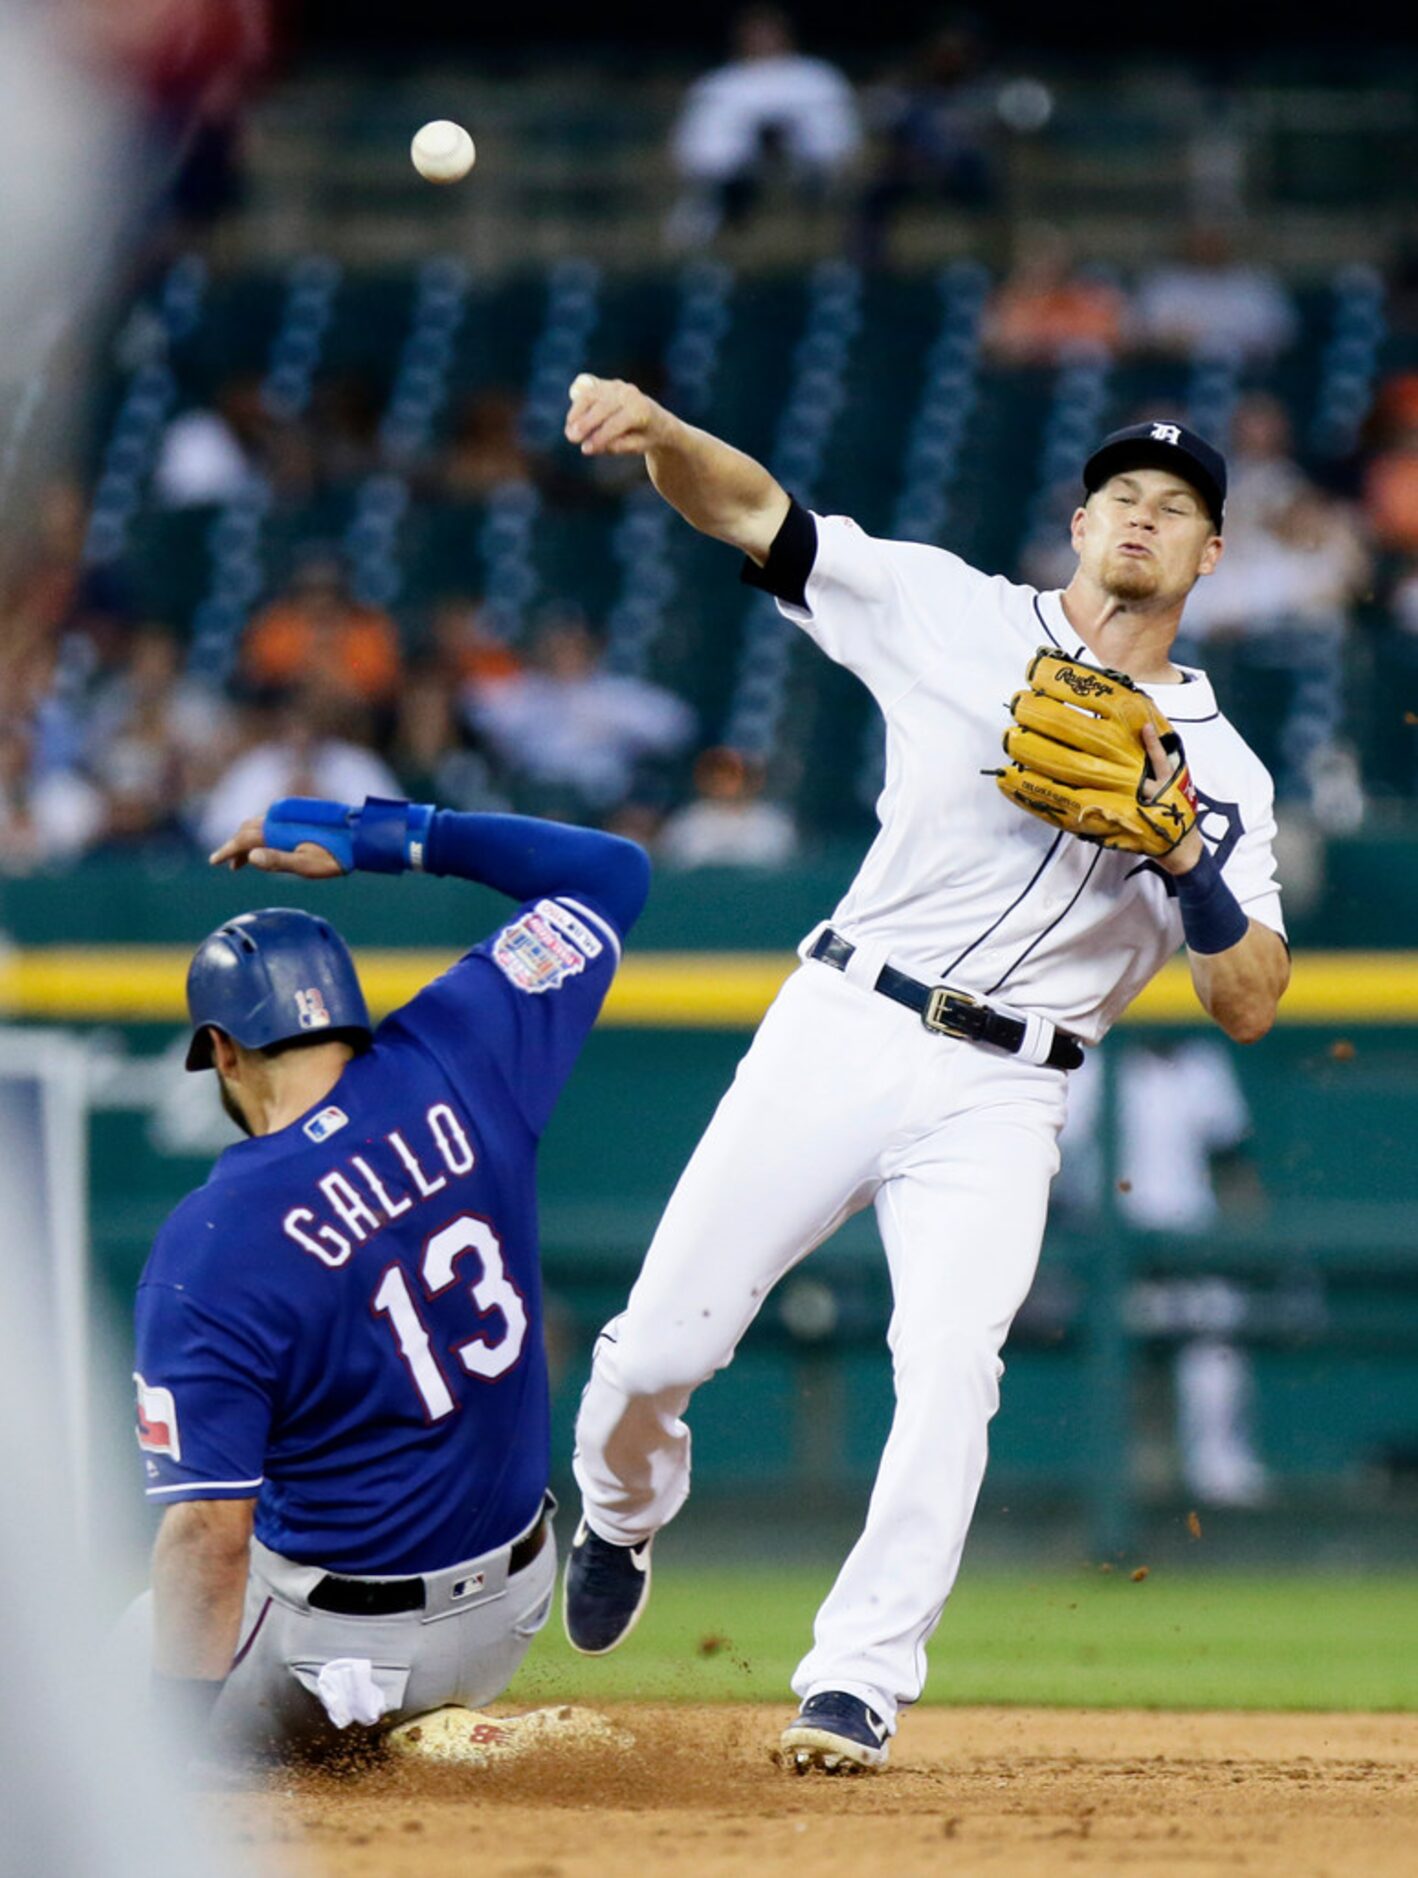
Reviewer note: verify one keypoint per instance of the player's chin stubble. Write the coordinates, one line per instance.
(232, 1106)
(1130, 580)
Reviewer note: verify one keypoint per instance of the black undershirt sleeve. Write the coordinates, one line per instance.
(790, 559)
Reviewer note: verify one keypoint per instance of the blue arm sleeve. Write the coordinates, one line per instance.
(518, 855)
(205, 1394)
(531, 860)
(519, 1006)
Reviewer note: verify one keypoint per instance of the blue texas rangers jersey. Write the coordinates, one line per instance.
(345, 1321)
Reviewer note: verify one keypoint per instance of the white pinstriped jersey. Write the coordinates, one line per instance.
(960, 886)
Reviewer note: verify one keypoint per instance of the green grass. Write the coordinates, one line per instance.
(1242, 1641)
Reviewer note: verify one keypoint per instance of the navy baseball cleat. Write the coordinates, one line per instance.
(838, 1733)
(607, 1587)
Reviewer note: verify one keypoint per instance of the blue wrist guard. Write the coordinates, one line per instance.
(379, 837)
(1213, 919)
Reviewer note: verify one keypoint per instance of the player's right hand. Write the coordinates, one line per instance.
(609, 417)
(247, 848)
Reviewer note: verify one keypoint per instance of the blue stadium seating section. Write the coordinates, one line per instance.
(867, 393)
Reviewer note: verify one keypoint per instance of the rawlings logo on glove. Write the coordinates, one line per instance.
(1077, 759)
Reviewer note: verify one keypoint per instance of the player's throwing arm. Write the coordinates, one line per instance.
(716, 488)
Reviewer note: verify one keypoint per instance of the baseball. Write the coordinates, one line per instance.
(443, 152)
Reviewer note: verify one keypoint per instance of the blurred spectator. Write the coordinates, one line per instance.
(343, 426)
(1209, 301)
(307, 745)
(1285, 589)
(1263, 476)
(932, 126)
(570, 724)
(728, 824)
(202, 459)
(155, 740)
(1293, 554)
(46, 817)
(1183, 1186)
(234, 448)
(770, 108)
(431, 752)
(317, 632)
(639, 818)
(486, 449)
(468, 652)
(1390, 484)
(1048, 308)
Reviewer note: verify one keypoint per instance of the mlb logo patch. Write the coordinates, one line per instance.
(311, 1011)
(157, 1420)
(328, 1122)
(535, 956)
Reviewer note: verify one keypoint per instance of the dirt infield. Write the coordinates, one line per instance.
(1000, 1791)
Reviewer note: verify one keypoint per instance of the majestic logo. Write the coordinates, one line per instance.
(311, 1010)
(328, 1122)
(1166, 433)
(157, 1420)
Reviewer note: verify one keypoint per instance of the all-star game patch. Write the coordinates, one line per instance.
(544, 948)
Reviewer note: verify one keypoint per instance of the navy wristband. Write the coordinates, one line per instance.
(382, 836)
(390, 835)
(1213, 919)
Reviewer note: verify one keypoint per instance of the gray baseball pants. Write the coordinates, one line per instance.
(464, 1645)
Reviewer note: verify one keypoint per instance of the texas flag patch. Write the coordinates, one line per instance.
(157, 1420)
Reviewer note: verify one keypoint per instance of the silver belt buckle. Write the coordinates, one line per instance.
(936, 1014)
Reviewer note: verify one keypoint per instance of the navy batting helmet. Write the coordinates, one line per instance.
(267, 977)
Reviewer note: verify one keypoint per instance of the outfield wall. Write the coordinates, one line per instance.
(1324, 1258)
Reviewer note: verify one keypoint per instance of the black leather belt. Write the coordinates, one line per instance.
(951, 1013)
(387, 1597)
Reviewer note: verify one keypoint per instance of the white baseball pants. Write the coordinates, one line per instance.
(843, 1098)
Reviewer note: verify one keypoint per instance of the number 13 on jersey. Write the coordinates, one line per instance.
(492, 1290)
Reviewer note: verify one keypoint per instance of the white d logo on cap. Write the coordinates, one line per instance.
(1166, 433)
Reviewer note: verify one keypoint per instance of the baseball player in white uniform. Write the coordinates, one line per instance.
(917, 1061)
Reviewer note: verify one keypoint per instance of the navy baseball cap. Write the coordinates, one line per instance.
(1162, 446)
